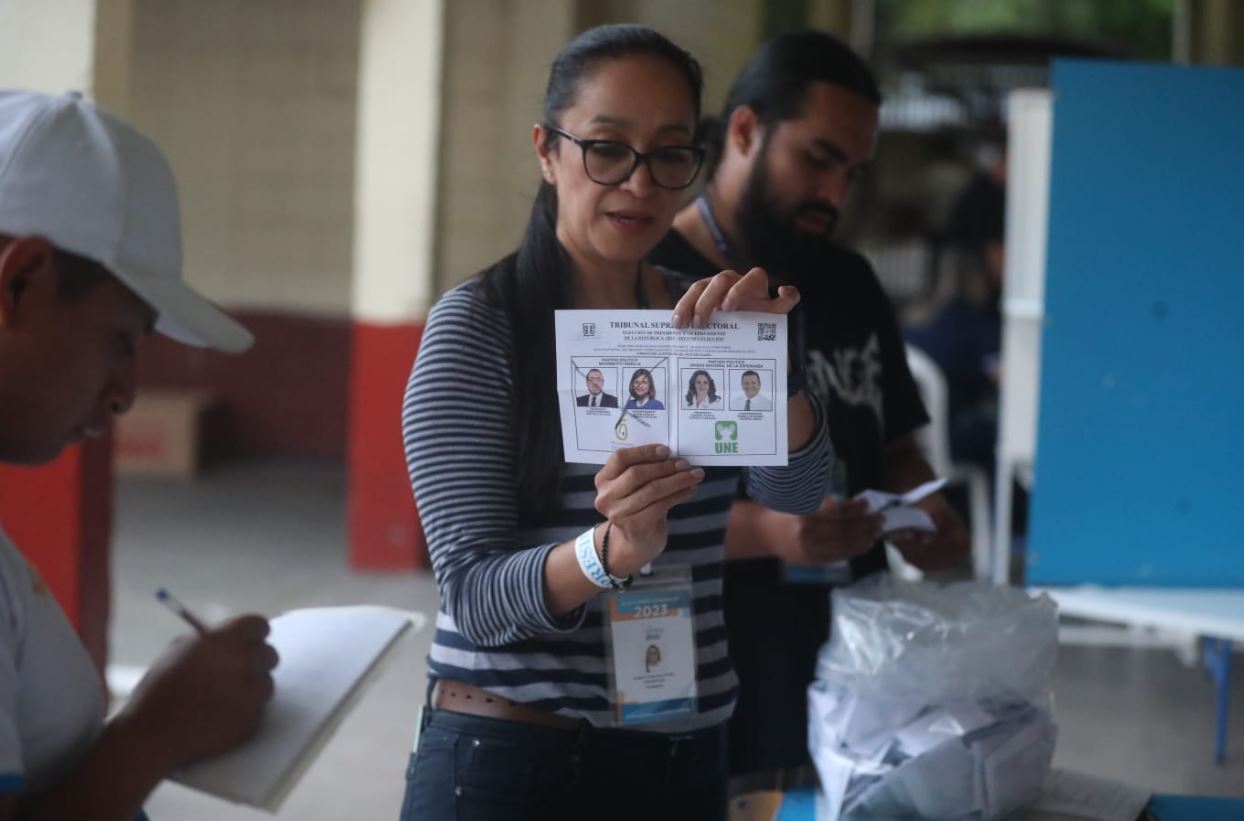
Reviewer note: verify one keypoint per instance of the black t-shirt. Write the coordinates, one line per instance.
(856, 364)
(857, 367)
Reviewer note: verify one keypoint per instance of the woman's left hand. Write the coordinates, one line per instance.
(731, 291)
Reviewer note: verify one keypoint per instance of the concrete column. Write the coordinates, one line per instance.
(110, 64)
(497, 58)
(833, 16)
(852, 20)
(48, 46)
(60, 515)
(399, 92)
(721, 34)
(1209, 32)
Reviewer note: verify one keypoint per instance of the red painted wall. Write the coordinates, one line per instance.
(318, 388)
(285, 397)
(60, 516)
(384, 531)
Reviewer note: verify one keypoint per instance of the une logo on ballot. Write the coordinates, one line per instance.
(727, 434)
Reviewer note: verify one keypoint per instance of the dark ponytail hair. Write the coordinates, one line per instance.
(535, 281)
(775, 81)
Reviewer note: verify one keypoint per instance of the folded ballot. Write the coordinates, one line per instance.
(896, 508)
(328, 656)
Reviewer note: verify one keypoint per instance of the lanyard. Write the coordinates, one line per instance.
(796, 379)
(719, 238)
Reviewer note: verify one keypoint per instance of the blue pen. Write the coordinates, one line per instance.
(170, 601)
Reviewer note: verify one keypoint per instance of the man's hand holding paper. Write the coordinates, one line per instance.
(838, 531)
(898, 510)
(328, 654)
(921, 525)
(213, 687)
(942, 547)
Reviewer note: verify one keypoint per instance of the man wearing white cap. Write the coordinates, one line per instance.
(90, 264)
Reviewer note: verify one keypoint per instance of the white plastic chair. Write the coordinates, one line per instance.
(934, 440)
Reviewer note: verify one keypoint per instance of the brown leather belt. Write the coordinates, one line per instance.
(460, 697)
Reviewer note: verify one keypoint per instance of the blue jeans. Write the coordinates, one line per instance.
(469, 768)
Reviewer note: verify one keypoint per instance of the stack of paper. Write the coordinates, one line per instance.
(327, 655)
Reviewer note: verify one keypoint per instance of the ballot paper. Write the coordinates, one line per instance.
(328, 654)
(714, 395)
(1073, 796)
(938, 724)
(939, 783)
(896, 508)
(1012, 765)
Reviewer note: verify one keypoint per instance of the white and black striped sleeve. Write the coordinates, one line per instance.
(800, 487)
(460, 455)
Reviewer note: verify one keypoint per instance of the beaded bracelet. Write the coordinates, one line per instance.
(618, 583)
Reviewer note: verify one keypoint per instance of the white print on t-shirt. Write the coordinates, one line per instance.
(853, 374)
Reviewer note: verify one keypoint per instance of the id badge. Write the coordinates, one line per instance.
(838, 573)
(652, 658)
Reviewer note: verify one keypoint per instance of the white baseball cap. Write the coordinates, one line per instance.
(92, 185)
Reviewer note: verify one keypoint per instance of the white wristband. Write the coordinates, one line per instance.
(589, 562)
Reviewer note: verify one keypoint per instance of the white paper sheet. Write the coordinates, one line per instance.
(1012, 768)
(941, 783)
(602, 357)
(326, 656)
(896, 508)
(939, 724)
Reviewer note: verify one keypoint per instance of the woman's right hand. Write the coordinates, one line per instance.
(635, 490)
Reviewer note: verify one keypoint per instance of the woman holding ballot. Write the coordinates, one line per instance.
(543, 701)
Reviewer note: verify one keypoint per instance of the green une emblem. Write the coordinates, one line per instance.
(727, 434)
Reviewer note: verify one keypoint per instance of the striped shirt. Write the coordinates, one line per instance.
(494, 629)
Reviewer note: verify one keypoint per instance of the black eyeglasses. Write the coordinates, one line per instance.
(611, 162)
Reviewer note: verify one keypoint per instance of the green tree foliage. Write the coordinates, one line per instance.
(1138, 28)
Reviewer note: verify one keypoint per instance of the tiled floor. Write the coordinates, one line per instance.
(272, 537)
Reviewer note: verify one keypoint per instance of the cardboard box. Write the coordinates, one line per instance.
(160, 435)
(762, 805)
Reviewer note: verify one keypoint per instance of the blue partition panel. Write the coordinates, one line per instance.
(1140, 445)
